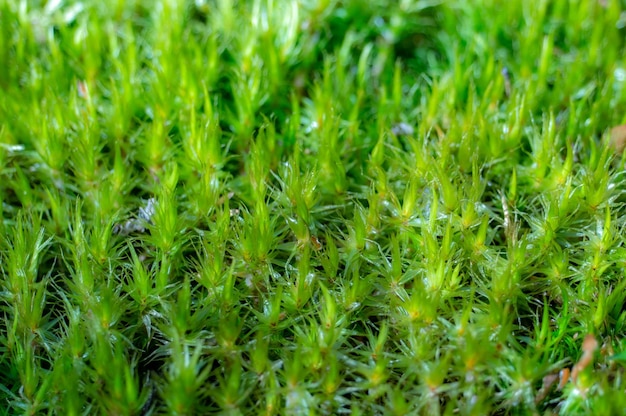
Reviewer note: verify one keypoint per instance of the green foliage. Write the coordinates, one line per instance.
(314, 207)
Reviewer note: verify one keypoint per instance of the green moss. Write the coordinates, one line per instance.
(316, 207)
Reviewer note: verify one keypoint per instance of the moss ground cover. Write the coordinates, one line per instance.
(315, 207)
